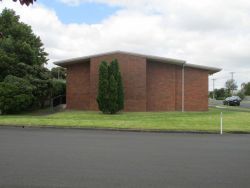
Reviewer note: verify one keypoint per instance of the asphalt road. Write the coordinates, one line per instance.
(245, 104)
(80, 158)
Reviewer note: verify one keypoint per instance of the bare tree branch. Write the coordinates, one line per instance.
(26, 2)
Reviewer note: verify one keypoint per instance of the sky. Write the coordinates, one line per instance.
(209, 32)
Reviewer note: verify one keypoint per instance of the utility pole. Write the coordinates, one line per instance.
(232, 74)
(213, 86)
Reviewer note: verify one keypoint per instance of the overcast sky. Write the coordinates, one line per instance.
(206, 32)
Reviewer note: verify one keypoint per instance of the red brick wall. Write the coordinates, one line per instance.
(161, 87)
(133, 70)
(196, 89)
(148, 86)
(178, 88)
(78, 86)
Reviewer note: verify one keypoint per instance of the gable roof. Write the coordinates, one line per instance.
(211, 70)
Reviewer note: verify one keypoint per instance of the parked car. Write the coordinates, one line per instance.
(232, 101)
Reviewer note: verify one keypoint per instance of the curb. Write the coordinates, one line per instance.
(121, 129)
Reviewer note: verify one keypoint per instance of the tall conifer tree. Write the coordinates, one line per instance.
(103, 87)
(110, 94)
(118, 78)
(113, 106)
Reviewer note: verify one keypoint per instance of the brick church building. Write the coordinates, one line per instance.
(151, 83)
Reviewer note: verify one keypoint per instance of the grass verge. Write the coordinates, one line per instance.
(234, 120)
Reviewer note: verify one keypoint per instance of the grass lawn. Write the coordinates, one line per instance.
(234, 120)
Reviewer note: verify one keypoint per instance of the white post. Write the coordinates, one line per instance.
(221, 123)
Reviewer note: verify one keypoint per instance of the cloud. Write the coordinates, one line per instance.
(212, 33)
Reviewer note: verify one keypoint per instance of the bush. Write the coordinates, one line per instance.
(246, 88)
(241, 94)
(58, 87)
(113, 105)
(44, 90)
(220, 94)
(110, 96)
(119, 87)
(15, 95)
(59, 73)
(41, 92)
(103, 88)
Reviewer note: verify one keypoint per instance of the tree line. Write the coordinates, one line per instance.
(228, 91)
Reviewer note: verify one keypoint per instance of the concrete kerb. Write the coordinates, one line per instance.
(122, 129)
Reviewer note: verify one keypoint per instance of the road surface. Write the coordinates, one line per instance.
(35, 157)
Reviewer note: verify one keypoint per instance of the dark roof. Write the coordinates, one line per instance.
(211, 70)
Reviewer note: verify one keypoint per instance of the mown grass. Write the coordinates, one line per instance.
(233, 120)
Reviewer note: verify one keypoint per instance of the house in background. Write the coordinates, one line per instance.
(151, 83)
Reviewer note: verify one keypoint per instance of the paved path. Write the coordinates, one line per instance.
(80, 158)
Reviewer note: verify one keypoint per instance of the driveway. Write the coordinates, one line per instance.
(33, 157)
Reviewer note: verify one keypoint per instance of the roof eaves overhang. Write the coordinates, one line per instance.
(80, 59)
(166, 60)
(211, 70)
(66, 62)
(148, 57)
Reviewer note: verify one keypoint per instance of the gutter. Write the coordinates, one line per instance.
(183, 88)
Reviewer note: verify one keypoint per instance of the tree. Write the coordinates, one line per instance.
(117, 75)
(42, 91)
(58, 73)
(246, 88)
(231, 85)
(103, 88)
(22, 57)
(241, 94)
(220, 94)
(19, 46)
(58, 87)
(26, 2)
(110, 89)
(113, 95)
(15, 95)
(113, 87)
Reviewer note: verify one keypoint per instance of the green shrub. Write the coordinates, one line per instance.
(42, 91)
(246, 88)
(115, 70)
(113, 105)
(103, 88)
(241, 94)
(58, 87)
(220, 94)
(15, 95)
(59, 73)
(110, 96)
